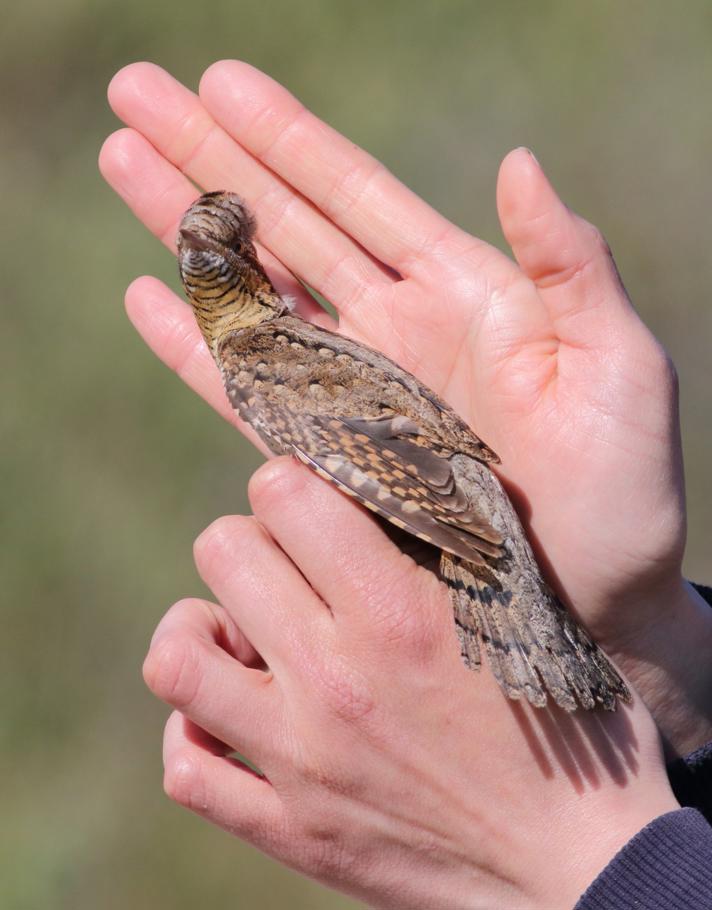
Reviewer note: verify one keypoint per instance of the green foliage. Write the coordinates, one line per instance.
(110, 467)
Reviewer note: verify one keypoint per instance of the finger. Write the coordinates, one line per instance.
(158, 194)
(212, 622)
(347, 558)
(188, 669)
(263, 591)
(354, 189)
(201, 778)
(192, 733)
(173, 120)
(565, 256)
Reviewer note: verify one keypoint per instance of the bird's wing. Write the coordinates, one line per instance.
(387, 465)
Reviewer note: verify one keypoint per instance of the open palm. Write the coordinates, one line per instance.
(545, 357)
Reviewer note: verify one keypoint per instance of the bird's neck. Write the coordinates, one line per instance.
(244, 312)
(228, 289)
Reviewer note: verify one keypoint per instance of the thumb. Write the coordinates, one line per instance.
(566, 257)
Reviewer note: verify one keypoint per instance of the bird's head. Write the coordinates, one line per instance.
(221, 274)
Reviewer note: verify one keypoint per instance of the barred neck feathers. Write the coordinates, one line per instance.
(223, 279)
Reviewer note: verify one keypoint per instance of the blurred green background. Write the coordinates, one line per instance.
(110, 468)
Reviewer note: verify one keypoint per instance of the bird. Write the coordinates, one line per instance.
(379, 435)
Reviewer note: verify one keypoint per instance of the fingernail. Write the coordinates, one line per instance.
(530, 153)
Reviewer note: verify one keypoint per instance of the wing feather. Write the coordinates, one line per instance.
(383, 463)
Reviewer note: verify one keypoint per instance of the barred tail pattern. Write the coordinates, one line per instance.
(534, 647)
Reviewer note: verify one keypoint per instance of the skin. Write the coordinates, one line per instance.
(363, 722)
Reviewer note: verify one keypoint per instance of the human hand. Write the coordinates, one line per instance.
(546, 358)
(391, 772)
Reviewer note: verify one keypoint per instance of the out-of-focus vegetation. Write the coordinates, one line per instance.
(109, 467)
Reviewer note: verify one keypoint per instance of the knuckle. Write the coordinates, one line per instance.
(275, 483)
(184, 783)
(328, 858)
(172, 669)
(598, 241)
(176, 615)
(347, 693)
(595, 239)
(352, 184)
(321, 846)
(666, 369)
(654, 366)
(406, 614)
(315, 770)
(188, 606)
(219, 540)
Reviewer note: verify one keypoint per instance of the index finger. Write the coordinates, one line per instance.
(350, 186)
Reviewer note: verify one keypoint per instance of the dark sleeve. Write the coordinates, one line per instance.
(666, 866)
(704, 591)
(691, 777)
(691, 780)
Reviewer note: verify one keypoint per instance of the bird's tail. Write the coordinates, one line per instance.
(534, 646)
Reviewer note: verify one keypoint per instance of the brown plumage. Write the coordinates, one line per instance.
(379, 435)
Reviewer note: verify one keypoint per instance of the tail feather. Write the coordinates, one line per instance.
(508, 649)
(466, 619)
(534, 647)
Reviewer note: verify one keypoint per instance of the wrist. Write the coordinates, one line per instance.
(669, 661)
(571, 827)
(591, 835)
